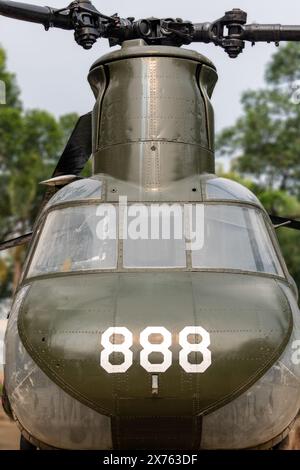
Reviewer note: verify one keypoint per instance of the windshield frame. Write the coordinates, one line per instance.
(25, 278)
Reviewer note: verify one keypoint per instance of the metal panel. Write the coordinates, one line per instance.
(155, 122)
(207, 81)
(139, 48)
(66, 340)
(151, 98)
(153, 164)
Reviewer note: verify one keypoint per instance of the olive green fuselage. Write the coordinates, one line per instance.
(248, 318)
(153, 142)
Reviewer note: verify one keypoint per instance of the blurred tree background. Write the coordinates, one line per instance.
(30, 145)
(264, 146)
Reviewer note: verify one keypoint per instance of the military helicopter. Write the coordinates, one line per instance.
(116, 342)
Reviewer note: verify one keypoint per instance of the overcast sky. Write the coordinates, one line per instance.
(51, 68)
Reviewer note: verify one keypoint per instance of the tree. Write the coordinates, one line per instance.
(30, 145)
(264, 144)
(9, 79)
(265, 141)
(284, 67)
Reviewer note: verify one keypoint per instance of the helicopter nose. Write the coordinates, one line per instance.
(155, 344)
(105, 336)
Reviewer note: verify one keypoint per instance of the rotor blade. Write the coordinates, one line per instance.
(271, 33)
(36, 14)
(78, 149)
(16, 242)
(285, 222)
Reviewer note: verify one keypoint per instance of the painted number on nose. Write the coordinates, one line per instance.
(155, 341)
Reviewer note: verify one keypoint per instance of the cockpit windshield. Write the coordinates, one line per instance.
(69, 242)
(209, 236)
(236, 238)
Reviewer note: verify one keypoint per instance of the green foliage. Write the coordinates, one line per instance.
(6, 270)
(265, 140)
(289, 241)
(12, 90)
(67, 124)
(275, 201)
(284, 66)
(31, 143)
(264, 144)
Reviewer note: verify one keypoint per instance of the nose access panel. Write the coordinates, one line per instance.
(241, 332)
(153, 120)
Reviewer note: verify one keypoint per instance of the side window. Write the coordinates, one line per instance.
(70, 241)
(236, 238)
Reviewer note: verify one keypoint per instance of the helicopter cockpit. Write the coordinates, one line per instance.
(226, 229)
